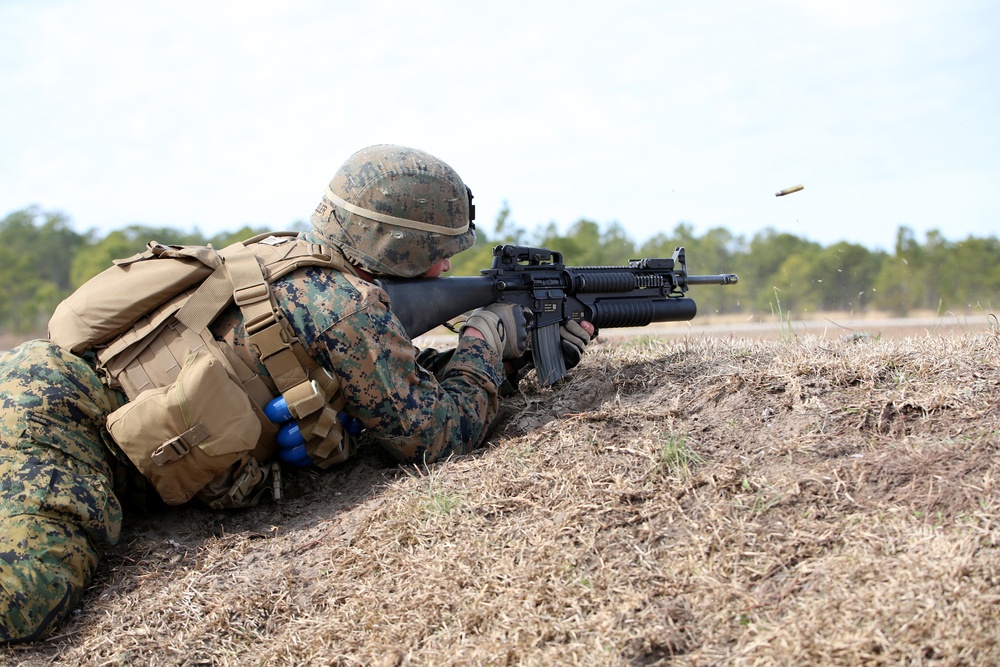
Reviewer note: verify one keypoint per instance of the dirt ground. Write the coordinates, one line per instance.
(699, 499)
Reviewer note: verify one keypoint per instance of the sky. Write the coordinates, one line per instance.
(215, 115)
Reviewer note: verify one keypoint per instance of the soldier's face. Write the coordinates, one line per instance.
(437, 269)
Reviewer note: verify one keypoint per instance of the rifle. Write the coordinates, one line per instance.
(647, 290)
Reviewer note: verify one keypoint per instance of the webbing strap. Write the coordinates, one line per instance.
(176, 447)
(286, 254)
(134, 379)
(267, 330)
(143, 328)
(167, 365)
(393, 220)
(211, 297)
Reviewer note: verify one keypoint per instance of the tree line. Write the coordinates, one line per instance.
(42, 260)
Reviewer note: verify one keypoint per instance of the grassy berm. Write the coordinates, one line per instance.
(700, 501)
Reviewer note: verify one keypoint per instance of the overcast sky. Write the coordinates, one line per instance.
(215, 114)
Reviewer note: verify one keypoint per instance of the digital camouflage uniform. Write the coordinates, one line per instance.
(57, 504)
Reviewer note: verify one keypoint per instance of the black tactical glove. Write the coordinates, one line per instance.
(504, 326)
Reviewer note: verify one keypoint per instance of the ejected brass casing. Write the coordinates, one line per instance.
(788, 191)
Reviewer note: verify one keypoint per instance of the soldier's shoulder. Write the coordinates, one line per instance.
(327, 291)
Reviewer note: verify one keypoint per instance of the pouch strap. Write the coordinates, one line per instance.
(249, 486)
(272, 339)
(304, 399)
(176, 447)
(329, 441)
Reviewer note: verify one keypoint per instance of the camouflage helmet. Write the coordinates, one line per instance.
(396, 210)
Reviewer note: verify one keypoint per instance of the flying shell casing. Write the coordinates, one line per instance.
(788, 191)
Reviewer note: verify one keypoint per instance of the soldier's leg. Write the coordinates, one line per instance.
(57, 503)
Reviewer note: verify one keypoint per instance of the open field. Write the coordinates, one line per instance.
(826, 326)
(698, 499)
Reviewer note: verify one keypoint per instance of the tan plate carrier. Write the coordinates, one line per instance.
(146, 320)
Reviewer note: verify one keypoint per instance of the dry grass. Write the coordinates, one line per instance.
(686, 501)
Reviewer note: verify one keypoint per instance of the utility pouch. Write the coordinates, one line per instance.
(184, 435)
(327, 441)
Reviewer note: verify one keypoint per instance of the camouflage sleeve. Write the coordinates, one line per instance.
(409, 411)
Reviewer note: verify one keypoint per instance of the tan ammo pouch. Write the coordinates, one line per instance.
(184, 435)
(327, 443)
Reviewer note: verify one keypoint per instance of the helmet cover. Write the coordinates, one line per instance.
(396, 210)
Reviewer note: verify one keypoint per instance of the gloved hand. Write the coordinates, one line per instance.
(504, 326)
(573, 340)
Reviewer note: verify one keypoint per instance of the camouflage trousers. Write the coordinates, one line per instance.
(58, 508)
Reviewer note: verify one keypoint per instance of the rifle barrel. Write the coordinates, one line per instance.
(719, 279)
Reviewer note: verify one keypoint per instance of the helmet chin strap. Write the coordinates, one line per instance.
(392, 220)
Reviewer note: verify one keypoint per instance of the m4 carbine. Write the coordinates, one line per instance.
(647, 290)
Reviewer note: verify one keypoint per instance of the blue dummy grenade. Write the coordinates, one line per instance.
(350, 424)
(292, 446)
(277, 410)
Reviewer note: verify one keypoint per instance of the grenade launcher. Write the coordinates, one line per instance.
(645, 291)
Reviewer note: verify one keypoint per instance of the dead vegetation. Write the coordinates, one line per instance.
(689, 501)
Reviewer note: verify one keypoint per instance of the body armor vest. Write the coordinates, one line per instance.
(194, 424)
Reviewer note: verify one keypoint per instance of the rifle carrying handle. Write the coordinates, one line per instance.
(546, 351)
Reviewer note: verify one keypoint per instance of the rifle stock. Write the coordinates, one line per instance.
(647, 290)
(420, 304)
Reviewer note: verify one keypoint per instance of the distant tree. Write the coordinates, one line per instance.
(717, 251)
(939, 275)
(935, 278)
(766, 268)
(506, 230)
(899, 287)
(663, 244)
(794, 287)
(42, 259)
(126, 242)
(617, 245)
(580, 246)
(843, 276)
(36, 248)
(974, 275)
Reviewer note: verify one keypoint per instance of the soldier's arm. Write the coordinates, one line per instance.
(413, 412)
(410, 412)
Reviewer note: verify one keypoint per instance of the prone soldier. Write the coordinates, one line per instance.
(199, 395)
